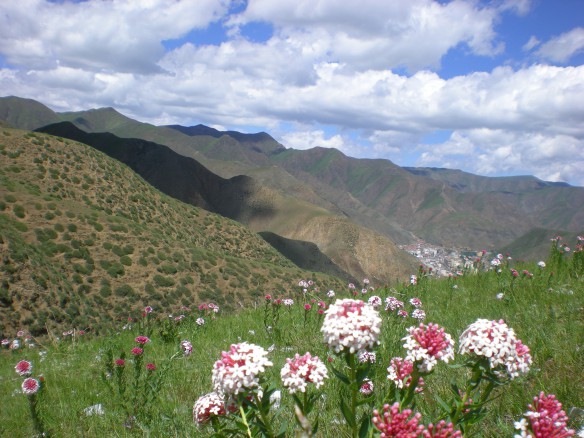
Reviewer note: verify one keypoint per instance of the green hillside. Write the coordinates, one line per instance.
(85, 241)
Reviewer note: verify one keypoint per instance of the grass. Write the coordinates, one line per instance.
(545, 311)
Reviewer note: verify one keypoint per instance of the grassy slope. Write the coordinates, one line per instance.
(84, 241)
(546, 315)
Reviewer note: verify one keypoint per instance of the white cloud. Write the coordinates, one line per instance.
(311, 139)
(379, 34)
(532, 43)
(496, 152)
(119, 35)
(563, 47)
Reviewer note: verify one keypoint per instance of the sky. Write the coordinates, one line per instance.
(494, 88)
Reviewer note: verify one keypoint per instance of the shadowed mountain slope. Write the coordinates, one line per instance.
(240, 198)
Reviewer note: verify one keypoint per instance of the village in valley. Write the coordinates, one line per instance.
(442, 261)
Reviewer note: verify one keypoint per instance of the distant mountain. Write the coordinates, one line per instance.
(445, 207)
(243, 199)
(84, 241)
(468, 183)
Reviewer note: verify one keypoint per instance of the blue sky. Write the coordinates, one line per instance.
(489, 87)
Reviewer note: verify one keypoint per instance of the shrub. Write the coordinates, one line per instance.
(162, 281)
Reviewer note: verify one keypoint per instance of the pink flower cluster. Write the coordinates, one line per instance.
(207, 406)
(23, 368)
(545, 418)
(393, 423)
(301, 370)
(239, 369)
(507, 355)
(400, 372)
(426, 345)
(351, 325)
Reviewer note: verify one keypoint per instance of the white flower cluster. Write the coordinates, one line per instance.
(494, 340)
(302, 370)
(426, 345)
(351, 325)
(375, 301)
(207, 406)
(392, 303)
(288, 302)
(239, 368)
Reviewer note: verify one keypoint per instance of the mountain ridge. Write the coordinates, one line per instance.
(452, 208)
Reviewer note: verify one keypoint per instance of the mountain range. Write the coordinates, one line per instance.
(354, 211)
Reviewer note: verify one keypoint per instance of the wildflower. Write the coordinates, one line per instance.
(307, 307)
(200, 322)
(20, 333)
(94, 410)
(321, 304)
(375, 301)
(413, 280)
(330, 293)
(23, 368)
(268, 297)
(497, 342)
(500, 295)
(15, 344)
(150, 367)
(393, 423)
(276, 399)
(367, 356)
(392, 303)
(142, 340)
(400, 373)
(137, 351)
(514, 273)
(495, 262)
(207, 406)
(351, 325)
(441, 430)
(419, 314)
(30, 386)
(6, 343)
(402, 313)
(545, 418)
(351, 286)
(303, 284)
(428, 344)
(239, 368)
(366, 281)
(364, 291)
(148, 309)
(301, 370)
(416, 302)
(541, 264)
(366, 387)
(186, 347)
(120, 362)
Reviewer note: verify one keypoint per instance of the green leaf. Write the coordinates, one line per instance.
(442, 404)
(343, 378)
(363, 372)
(347, 414)
(365, 426)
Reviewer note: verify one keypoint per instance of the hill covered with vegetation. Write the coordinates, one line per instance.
(85, 241)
